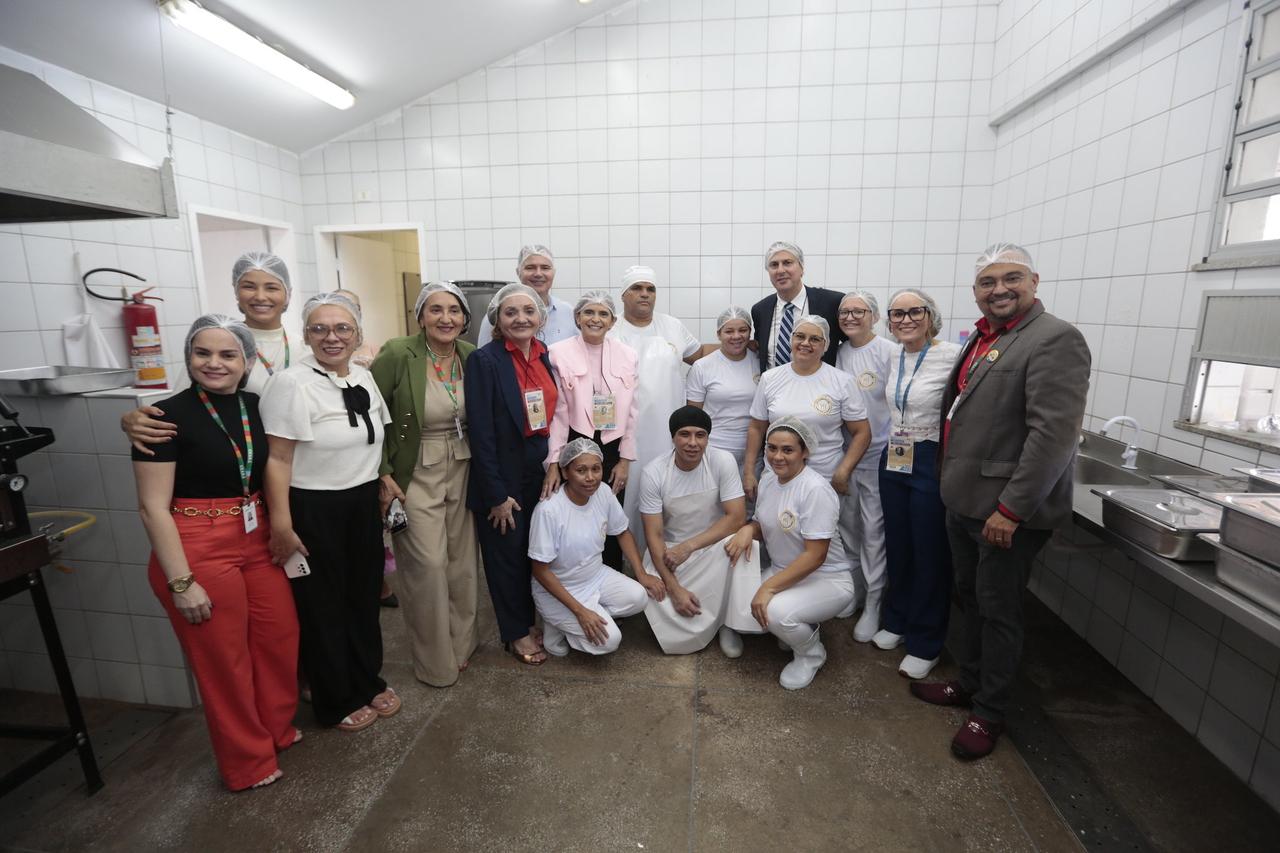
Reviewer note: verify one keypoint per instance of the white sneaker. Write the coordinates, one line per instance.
(730, 642)
(916, 668)
(554, 642)
(886, 639)
(808, 659)
(868, 624)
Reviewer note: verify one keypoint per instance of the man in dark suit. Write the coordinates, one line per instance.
(1011, 417)
(774, 317)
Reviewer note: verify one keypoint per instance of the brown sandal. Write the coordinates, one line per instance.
(350, 724)
(391, 705)
(526, 658)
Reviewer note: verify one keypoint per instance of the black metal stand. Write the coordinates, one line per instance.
(73, 737)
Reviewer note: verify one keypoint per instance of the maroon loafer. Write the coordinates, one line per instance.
(942, 693)
(976, 738)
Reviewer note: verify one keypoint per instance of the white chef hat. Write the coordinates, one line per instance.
(579, 447)
(238, 330)
(269, 263)
(793, 424)
(1003, 253)
(784, 246)
(733, 312)
(442, 287)
(821, 323)
(635, 274)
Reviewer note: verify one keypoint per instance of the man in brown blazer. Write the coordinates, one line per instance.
(1011, 419)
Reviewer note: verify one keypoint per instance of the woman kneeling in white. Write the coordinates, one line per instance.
(576, 593)
(797, 514)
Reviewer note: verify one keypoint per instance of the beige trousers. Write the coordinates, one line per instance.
(437, 563)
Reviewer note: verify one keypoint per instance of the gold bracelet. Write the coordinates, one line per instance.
(182, 584)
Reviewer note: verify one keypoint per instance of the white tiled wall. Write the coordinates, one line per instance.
(689, 135)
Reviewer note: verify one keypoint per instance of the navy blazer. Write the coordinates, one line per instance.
(825, 303)
(495, 426)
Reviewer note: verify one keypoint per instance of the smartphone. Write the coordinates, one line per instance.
(397, 518)
(296, 566)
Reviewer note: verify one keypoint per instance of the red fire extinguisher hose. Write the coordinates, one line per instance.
(141, 329)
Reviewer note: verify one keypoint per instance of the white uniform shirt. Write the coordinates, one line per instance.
(924, 404)
(802, 308)
(663, 480)
(824, 400)
(280, 348)
(307, 407)
(869, 366)
(725, 388)
(564, 535)
(559, 325)
(661, 326)
(805, 507)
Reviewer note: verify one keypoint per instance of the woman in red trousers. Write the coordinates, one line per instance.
(232, 609)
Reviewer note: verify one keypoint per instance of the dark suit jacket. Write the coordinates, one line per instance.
(495, 427)
(825, 303)
(1015, 429)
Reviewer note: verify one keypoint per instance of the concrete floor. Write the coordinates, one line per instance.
(639, 751)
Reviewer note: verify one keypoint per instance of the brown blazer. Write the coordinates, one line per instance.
(1015, 429)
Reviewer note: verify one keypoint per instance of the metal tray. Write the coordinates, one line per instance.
(1260, 479)
(1251, 578)
(58, 379)
(1129, 512)
(1204, 484)
(1251, 524)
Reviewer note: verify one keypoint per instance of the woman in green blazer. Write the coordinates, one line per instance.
(425, 463)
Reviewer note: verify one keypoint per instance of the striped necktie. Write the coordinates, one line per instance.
(782, 349)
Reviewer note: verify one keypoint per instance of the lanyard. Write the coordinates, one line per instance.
(267, 363)
(246, 467)
(450, 384)
(899, 396)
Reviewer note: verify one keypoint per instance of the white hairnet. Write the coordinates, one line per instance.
(507, 291)
(578, 447)
(441, 287)
(635, 274)
(533, 249)
(1003, 253)
(238, 330)
(784, 246)
(269, 263)
(733, 312)
(595, 297)
(791, 423)
(821, 323)
(930, 307)
(321, 299)
(868, 299)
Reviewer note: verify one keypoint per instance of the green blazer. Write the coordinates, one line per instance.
(400, 370)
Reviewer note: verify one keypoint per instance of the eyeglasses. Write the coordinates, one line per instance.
(801, 337)
(856, 313)
(916, 313)
(344, 331)
(1011, 280)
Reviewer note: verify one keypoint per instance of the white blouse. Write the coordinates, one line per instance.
(725, 388)
(923, 399)
(824, 400)
(805, 507)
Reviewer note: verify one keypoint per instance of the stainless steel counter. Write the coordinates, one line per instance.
(1195, 578)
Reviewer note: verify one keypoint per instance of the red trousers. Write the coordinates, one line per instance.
(245, 658)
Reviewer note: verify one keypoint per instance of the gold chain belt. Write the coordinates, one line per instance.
(211, 512)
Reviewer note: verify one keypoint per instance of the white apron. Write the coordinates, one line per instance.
(705, 573)
(660, 392)
(582, 581)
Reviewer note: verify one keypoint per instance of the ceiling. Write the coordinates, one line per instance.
(386, 53)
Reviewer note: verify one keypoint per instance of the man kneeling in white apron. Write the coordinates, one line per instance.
(577, 595)
(691, 502)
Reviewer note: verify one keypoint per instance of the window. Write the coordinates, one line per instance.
(1233, 390)
(1249, 212)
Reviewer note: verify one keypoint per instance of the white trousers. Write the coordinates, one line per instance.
(794, 613)
(619, 596)
(862, 530)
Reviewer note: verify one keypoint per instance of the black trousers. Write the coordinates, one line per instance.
(988, 594)
(612, 453)
(340, 637)
(507, 569)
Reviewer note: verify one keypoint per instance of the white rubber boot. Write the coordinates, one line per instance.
(730, 642)
(809, 658)
(868, 624)
(554, 641)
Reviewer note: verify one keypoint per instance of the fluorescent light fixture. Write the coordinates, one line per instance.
(194, 18)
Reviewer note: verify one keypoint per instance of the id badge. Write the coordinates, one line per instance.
(249, 512)
(604, 412)
(535, 408)
(902, 451)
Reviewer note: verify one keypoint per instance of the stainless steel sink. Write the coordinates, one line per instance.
(1096, 472)
(1107, 451)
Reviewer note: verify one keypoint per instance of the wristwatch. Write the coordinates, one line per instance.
(181, 584)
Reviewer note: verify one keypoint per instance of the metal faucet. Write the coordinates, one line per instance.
(1130, 455)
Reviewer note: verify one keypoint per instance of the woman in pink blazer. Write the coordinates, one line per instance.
(597, 400)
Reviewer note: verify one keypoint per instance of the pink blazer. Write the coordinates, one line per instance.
(573, 405)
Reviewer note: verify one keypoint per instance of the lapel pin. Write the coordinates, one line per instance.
(993, 355)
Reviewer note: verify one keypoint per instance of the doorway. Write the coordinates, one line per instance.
(218, 238)
(381, 264)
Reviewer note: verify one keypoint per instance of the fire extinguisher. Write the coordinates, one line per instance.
(141, 330)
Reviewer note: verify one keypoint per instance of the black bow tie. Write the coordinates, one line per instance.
(356, 400)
